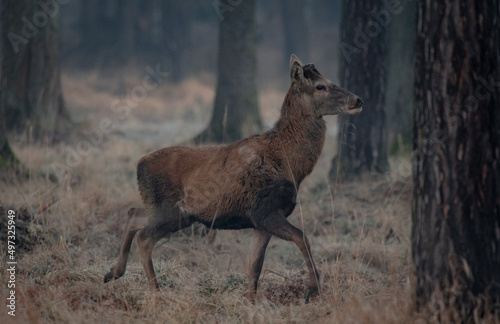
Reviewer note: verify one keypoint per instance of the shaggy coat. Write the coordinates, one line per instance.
(252, 183)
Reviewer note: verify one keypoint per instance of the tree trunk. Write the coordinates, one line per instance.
(400, 78)
(236, 112)
(7, 156)
(30, 81)
(362, 138)
(456, 197)
(295, 30)
(177, 34)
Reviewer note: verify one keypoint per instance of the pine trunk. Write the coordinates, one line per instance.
(30, 81)
(362, 138)
(456, 202)
(236, 110)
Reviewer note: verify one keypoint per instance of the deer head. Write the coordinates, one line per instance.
(325, 97)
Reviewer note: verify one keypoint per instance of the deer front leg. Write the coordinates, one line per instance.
(260, 239)
(277, 225)
(302, 242)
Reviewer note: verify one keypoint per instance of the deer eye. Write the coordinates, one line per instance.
(320, 87)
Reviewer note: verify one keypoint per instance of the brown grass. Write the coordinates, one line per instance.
(359, 232)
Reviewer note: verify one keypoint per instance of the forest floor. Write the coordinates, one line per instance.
(69, 228)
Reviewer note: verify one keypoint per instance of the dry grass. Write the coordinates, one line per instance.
(359, 232)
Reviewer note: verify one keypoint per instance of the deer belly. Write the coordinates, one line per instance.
(232, 221)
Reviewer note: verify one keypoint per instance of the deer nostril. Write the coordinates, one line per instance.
(360, 102)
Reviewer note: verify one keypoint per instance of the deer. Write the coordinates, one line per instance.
(249, 184)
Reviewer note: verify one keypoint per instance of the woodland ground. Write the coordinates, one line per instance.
(359, 232)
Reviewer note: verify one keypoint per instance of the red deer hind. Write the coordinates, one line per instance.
(252, 183)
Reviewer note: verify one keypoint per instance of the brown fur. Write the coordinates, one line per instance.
(252, 183)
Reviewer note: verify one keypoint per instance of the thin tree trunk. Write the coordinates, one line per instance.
(400, 78)
(362, 138)
(236, 112)
(30, 81)
(7, 156)
(456, 199)
(177, 34)
(295, 30)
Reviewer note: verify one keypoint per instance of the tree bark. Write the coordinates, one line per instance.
(236, 110)
(456, 170)
(362, 138)
(30, 81)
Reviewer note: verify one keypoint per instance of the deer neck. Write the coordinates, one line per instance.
(299, 137)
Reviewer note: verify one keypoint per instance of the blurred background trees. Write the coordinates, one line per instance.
(376, 62)
(109, 34)
(185, 38)
(31, 95)
(400, 78)
(362, 140)
(295, 29)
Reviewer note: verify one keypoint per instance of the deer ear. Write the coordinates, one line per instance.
(294, 59)
(296, 71)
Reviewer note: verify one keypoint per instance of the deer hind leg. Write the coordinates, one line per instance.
(260, 239)
(163, 223)
(137, 219)
(277, 224)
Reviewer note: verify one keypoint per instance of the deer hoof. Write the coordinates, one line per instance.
(110, 276)
(311, 292)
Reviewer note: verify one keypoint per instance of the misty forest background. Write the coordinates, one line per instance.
(87, 87)
(117, 37)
